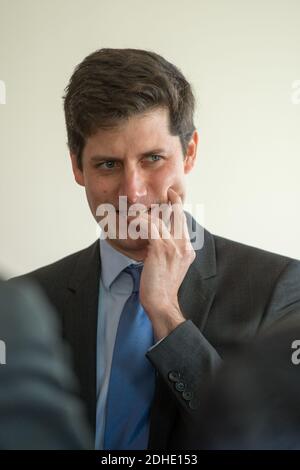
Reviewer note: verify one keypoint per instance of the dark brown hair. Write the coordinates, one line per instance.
(111, 85)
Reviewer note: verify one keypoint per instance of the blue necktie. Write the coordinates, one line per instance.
(132, 377)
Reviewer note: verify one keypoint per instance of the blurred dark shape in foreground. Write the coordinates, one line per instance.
(39, 408)
(254, 403)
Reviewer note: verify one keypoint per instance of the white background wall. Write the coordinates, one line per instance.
(242, 58)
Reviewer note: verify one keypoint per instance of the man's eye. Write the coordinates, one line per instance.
(109, 165)
(155, 158)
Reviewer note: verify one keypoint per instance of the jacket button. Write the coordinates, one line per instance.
(186, 395)
(180, 386)
(174, 376)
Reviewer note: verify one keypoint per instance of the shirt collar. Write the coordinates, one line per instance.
(112, 263)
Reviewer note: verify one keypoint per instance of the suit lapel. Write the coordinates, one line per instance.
(197, 291)
(81, 323)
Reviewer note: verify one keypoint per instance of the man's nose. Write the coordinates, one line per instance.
(133, 186)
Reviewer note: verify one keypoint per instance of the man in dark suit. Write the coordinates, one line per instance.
(39, 408)
(129, 116)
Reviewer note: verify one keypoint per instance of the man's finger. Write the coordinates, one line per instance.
(177, 228)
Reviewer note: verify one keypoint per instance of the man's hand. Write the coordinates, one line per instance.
(167, 261)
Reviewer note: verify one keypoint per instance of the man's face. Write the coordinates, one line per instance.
(139, 159)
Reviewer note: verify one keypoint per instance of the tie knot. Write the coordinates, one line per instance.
(135, 273)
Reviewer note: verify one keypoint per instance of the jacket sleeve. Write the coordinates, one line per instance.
(186, 361)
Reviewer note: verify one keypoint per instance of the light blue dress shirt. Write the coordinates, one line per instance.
(114, 290)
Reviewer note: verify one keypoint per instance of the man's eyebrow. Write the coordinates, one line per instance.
(154, 151)
(97, 158)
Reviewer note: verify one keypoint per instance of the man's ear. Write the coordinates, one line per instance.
(77, 172)
(191, 153)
